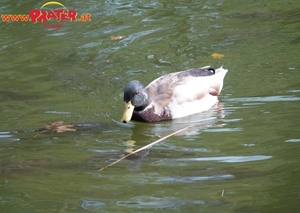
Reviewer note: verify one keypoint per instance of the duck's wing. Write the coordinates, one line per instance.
(196, 87)
(185, 86)
(160, 92)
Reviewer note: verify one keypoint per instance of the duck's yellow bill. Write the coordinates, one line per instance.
(128, 111)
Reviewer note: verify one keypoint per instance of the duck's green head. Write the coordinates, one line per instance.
(135, 97)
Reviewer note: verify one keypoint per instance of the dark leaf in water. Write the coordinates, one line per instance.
(57, 126)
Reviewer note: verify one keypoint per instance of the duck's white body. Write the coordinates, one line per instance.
(190, 95)
(181, 94)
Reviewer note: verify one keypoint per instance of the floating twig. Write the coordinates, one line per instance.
(145, 147)
(223, 192)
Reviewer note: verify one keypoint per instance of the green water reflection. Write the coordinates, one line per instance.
(77, 73)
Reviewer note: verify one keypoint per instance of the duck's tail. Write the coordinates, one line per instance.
(221, 71)
(217, 81)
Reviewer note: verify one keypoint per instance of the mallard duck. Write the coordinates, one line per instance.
(173, 95)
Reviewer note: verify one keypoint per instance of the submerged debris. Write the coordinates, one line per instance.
(57, 126)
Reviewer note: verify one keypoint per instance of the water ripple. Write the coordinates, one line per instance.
(195, 179)
(57, 112)
(293, 140)
(8, 136)
(182, 162)
(157, 202)
(265, 99)
(228, 159)
(224, 130)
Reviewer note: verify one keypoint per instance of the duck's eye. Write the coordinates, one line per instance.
(212, 70)
(136, 92)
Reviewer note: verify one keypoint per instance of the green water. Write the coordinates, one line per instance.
(76, 74)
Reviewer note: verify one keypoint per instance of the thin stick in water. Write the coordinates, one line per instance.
(223, 192)
(145, 147)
